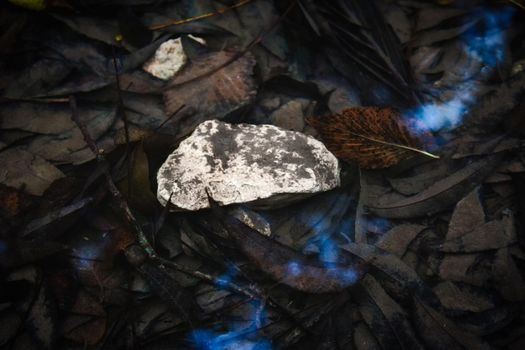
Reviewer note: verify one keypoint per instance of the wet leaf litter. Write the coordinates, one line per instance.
(392, 131)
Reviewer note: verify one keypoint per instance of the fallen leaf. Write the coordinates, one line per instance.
(494, 106)
(467, 215)
(371, 136)
(383, 315)
(13, 201)
(286, 265)
(468, 232)
(397, 240)
(508, 278)
(136, 186)
(439, 196)
(170, 291)
(424, 178)
(460, 297)
(210, 87)
(55, 215)
(403, 279)
(11, 322)
(87, 321)
(439, 332)
(360, 44)
(465, 268)
(26, 171)
(490, 235)
(84, 329)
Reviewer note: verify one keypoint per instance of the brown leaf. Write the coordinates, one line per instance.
(386, 317)
(84, 329)
(210, 87)
(468, 214)
(466, 268)
(287, 266)
(439, 332)
(373, 137)
(27, 171)
(13, 201)
(397, 240)
(462, 297)
(440, 195)
(136, 186)
(507, 275)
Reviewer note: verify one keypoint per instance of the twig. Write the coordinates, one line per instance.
(518, 3)
(122, 112)
(169, 118)
(199, 17)
(251, 45)
(249, 292)
(360, 220)
(141, 237)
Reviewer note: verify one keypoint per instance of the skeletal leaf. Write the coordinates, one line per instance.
(371, 136)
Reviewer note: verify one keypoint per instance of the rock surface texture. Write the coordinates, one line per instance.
(244, 163)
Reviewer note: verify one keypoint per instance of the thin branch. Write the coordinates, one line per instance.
(199, 17)
(141, 237)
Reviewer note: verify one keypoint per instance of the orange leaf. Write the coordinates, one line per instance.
(373, 137)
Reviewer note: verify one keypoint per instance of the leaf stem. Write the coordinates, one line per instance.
(413, 149)
(199, 17)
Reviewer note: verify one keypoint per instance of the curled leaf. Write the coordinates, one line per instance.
(373, 137)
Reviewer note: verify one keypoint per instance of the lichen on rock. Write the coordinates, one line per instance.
(245, 163)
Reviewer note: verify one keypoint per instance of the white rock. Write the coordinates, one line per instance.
(244, 163)
(167, 61)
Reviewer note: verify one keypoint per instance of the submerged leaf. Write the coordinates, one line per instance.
(288, 266)
(210, 87)
(373, 137)
(441, 195)
(439, 332)
(386, 317)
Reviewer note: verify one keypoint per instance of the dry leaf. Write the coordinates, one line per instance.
(22, 169)
(397, 240)
(385, 316)
(287, 266)
(210, 87)
(507, 276)
(439, 332)
(373, 137)
(441, 195)
(462, 297)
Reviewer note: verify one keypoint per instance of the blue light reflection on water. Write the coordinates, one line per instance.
(484, 42)
(240, 335)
